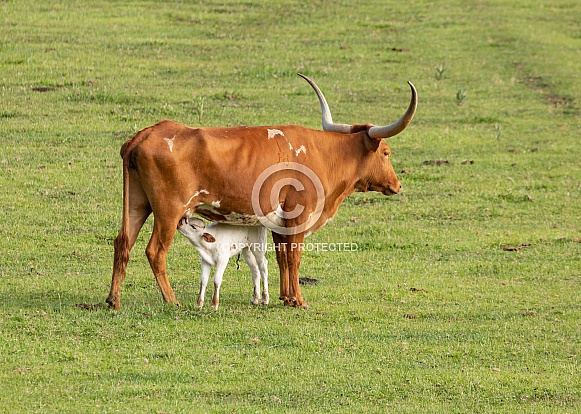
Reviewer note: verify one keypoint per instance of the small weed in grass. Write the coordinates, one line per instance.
(440, 69)
(461, 95)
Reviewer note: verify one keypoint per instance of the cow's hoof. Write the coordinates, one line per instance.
(113, 303)
(173, 301)
(295, 303)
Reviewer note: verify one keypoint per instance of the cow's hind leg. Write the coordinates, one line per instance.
(138, 212)
(163, 232)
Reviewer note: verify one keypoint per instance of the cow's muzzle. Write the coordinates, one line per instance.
(392, 189)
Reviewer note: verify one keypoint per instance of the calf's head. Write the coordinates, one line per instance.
(194, 230)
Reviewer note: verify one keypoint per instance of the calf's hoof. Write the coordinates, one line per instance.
(265, 299)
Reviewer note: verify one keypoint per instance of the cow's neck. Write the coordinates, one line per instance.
(347, 171)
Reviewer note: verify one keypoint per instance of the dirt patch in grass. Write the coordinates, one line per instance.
(308, 281)
(436, 162)
(565, 104)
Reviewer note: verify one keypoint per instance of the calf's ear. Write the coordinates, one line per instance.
(208, 238)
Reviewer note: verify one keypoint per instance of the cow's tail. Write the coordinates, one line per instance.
(121, 245)
(122, 240)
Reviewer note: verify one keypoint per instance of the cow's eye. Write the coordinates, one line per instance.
(386, 153)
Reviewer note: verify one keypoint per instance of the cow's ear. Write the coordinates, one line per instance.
(372, 144)
(208, 238)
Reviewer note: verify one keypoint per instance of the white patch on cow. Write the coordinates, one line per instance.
(189, 201)
(197, 193)
(290, 146)
(216, 203)
(206, 207)
(301, 149)
(170, 143)
(275, 218)
(279, 211)
(243, 219)
(328, 220)
(274, 132)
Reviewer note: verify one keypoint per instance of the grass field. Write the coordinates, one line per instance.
(463, 294)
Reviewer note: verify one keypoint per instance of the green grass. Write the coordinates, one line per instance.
(431, 314)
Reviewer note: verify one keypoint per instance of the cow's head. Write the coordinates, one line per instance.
(378, 174)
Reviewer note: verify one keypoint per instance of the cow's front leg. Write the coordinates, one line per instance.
(289, 250)
(294, 253)
(280, 248)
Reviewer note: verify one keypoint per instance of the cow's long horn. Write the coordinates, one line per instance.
(328, 124)
(400, 124)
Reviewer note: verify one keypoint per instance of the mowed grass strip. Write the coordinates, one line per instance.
(459, 295)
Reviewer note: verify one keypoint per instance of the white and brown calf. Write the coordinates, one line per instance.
(217, 243)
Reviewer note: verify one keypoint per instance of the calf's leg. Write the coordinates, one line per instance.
(220, 268)
(206, 268)
(263, 267)
(255, 271)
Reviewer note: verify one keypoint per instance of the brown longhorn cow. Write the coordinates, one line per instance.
(288, 178)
